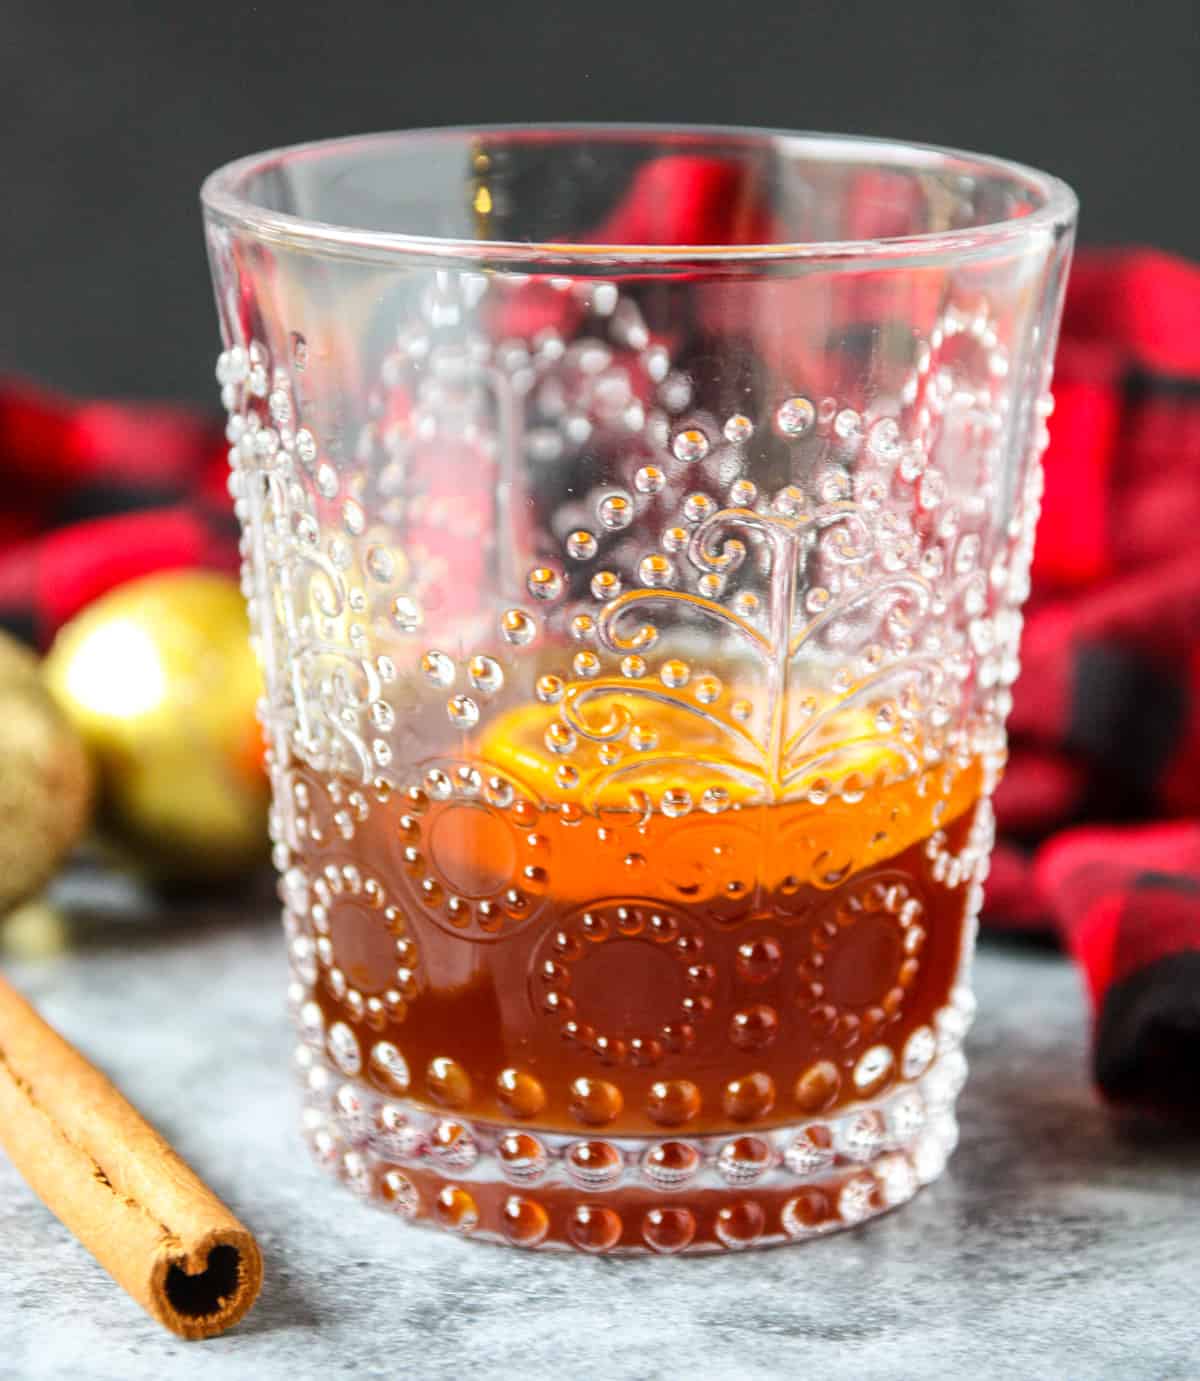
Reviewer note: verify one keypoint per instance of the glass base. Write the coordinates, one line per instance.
(619, 1195)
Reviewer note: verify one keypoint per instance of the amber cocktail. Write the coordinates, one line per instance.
(636, 526)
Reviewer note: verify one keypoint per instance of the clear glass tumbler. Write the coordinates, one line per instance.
(636, 526)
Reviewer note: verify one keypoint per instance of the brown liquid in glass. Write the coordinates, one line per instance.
(601, 974)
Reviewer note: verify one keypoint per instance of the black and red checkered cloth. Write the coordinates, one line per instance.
(1100, 809)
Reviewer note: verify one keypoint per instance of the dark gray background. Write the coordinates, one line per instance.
(110, 114)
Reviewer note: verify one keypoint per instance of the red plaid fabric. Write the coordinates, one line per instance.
(1100, 809)
(101, 493)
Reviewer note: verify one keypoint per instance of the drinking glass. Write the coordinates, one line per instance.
(636, 523)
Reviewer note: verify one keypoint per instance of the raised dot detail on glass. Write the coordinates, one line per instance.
(743, 493)
(810, 1152)
(438, 785)
(232, 365)
(523, 1159)
(380, 564)
(407, 614)
(351, 1113)
(711, 584)
(707, 689)
(806, 1213)
(873, 1069)
(594, 1164)
(560, 738)
(594, 1229)
(485, 674)
(390, 1067)
(883, 440)
(517, 627)
(327, 481)
(343, 1048)
(656, 571)
(932, 490)
(519, 1093)
(642, 739)
(929, 1156)
(675, 673)
(697, 507)
(452, 1145)
(549, 689)
(690, 445)
(755, 1027)
(905, 1115)
(524, 1221)
(649, 480)
(847, 425)
(615, 511)
(383, 717)
(312, 1022)
(326, 1145)
(896, 1178)
(740, 1225)
(399, 1193)
(759, 959)
(448, 1082)
(308, 533)
(818, 1087)
(913, 460)
(544, 583)
(437, 669)
(861, 1136)
(582, 545)
(462, 711)
(944, 1081)
(833, 486)
(670, 1164)
(744, 1160)
(306, 446)
(595, 1102)
(738, 429)
(668, 1230)
(795, 417)
(279, 405)
(395, 1135)
(673, 1102)
(855, 1198)
(605, 585)
(456, 1209)
(919, 1051)
(750, 1097)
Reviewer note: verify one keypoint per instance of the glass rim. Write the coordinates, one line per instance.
(223, 199)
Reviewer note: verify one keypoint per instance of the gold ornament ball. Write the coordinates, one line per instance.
(45, 781)
(159, 678)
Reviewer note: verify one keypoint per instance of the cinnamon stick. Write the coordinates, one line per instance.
(115, 1183)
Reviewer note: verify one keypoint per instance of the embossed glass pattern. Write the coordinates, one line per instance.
(636, 526)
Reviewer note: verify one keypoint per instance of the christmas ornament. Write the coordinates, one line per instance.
(45, 782)
(159, 679)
